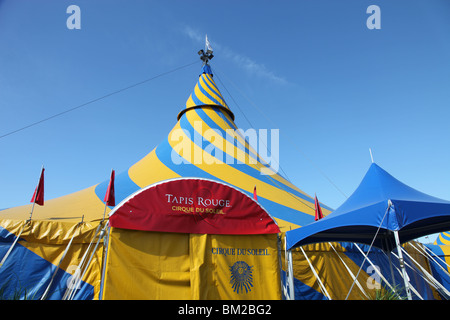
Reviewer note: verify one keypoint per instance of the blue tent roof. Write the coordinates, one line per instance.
(380, 202)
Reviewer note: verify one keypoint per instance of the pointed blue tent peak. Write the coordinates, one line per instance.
(206, 69)
(379, 185)
(380, 202)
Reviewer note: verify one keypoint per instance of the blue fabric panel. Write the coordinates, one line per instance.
(25, 275)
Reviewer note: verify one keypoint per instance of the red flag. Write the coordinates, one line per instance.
(38, 195)
(109, 196)
(254, 194)
(319, 214)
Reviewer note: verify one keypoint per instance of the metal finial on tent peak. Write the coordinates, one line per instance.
(207, 54)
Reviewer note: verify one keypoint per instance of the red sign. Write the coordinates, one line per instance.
(192, 205)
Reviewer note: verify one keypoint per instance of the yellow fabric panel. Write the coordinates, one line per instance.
(201, 269)
(331, 271)
(70, 208)
(422, 261)
(51, 232)
(150, 170)
(147, 265)
(446, 251)
(190, 102)
(49, 240)
(53, 254)
(204, 99)
(155, 265)
(285, 225)
(234, 267)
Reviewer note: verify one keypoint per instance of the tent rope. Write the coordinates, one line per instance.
(322, 287)
(376, 269)
(401, 275)
(72, 292)
(78, 225)
(75, 282)
(269, 177)
(292, 142)
(14, 243)
(98, 99)
(429, 256)
(426, 275)
(348, 270)
(370, 248)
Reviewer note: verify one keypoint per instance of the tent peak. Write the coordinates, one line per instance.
(206, 93)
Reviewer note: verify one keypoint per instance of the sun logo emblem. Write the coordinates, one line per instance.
(241, 277)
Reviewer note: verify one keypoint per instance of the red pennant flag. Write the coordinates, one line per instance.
(109, 196)
(319, 214)
(254, 194)
(38, 195)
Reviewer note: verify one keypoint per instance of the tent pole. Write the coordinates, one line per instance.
(388, 254)
(402, 265)
(428, 277)
(290, 276)
(279, 260)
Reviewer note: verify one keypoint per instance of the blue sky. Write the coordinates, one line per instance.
(311, 69)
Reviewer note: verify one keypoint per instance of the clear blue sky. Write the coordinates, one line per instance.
(311, 69)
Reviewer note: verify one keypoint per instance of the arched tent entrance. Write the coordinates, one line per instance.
(191, 238)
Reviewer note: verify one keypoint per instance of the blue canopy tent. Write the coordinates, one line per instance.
(382, 212)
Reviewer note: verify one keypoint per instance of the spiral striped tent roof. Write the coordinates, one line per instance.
(204, 143)
(211, 148)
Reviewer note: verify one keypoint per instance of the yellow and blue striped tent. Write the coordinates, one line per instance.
(440, 265)
(43, 257)
(63, 233)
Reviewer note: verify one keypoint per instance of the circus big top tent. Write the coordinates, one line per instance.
(65, 239)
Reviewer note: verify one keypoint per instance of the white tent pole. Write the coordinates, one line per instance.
(290, 275)
(400, 273)
(402, 265)
(316, 275)
(105, 256)
(392, 269)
